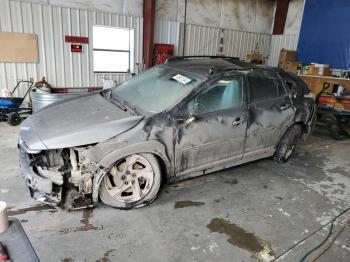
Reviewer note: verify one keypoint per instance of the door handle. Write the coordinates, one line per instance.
(285, 106)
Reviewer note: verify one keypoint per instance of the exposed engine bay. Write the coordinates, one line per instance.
(68, 177)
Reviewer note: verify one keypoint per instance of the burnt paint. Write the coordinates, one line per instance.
(239, 237)
(188, 203)
(174, 143)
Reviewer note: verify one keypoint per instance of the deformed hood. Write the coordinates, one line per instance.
(85, 120)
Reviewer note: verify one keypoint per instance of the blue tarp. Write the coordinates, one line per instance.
(325, 33)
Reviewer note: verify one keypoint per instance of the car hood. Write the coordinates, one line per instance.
(81, 121)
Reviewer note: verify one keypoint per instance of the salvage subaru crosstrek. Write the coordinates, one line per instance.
(187, 117)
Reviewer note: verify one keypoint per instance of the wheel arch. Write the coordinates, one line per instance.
(151, 147)
(302, 124)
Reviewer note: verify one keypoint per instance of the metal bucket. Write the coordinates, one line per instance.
(41, 100)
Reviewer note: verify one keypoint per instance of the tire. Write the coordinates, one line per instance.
(14, 119)
(286, 146)
(123, 174)
(336, 132)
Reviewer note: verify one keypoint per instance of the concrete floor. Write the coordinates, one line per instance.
(223, 216)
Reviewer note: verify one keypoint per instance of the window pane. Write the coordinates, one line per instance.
(107, 61)
(111, 38)
(225, 93)
(262, 88)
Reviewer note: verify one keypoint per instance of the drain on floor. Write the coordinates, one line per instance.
(188, 203)
(261, 249)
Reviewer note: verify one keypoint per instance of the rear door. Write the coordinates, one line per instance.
(270, 112)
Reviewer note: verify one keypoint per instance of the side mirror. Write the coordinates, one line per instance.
(193, 114)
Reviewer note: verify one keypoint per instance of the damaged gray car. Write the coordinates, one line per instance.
(185, 118)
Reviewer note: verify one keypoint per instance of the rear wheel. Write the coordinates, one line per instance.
(287, 144)
(14, 119)
(131, 182)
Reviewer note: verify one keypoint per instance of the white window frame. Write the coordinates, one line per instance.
(130, 51)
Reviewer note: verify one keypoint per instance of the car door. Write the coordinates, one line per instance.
(270, 113)
(217, 132)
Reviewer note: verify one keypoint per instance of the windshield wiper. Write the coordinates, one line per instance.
(125, 104)
(118, 104)
(108, 95)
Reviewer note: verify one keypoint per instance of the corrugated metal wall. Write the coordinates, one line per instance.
(204, 40)
(167, 32)
(61, 67)
(65, 69)
(239, 43)
(201, 40)
(289, 42)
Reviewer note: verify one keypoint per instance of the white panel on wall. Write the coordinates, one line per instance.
(240, 43)
(289, 42)
(56, 62)
(167, 32)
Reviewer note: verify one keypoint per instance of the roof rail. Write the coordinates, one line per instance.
(215, 70)
(203, 56)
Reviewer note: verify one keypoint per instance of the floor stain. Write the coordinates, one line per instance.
(39, 208)
(85, 220)
(105, 257)
(232, 182)
(188, 203)
(87, 214)
(67, 259)
(260, 249)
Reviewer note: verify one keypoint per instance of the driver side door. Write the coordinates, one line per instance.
(213, 131)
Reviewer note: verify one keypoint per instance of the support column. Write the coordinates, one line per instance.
(149, 7)
(280, 16)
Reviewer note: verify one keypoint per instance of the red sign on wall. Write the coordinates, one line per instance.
(75, 48)
(76, 39)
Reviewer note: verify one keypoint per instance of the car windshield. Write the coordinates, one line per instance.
(157, 89)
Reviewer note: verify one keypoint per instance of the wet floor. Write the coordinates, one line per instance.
(259, 248)
(249, 213)
(41, 207)
(188, 203)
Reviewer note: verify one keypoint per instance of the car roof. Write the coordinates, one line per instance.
(204, 66)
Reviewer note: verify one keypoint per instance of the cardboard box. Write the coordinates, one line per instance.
(290, 66)
(287, 56)
(255, 57)
(319, 70)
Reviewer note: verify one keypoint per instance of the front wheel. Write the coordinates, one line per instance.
(131, 182)
(287, 144)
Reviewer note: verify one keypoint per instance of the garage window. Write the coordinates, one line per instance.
(113, 49)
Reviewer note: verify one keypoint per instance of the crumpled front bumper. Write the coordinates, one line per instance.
(40, 187)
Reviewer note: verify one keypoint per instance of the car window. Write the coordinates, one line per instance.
(294, 84)
(262, 88)
(223, 94)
